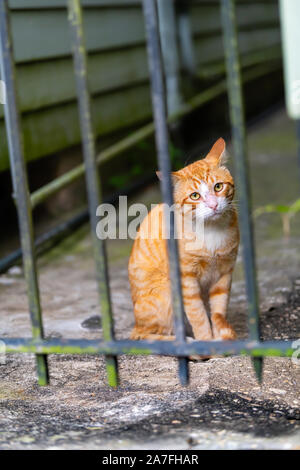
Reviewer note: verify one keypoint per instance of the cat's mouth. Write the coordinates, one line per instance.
(205, 212)
(213, 213)
(213, 210)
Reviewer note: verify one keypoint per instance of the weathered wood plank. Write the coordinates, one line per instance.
(34, 38)
(39, 35)
(117, 63)
(243, 2)
(39, 4)
(54, 129)
(212, 47)
(48, 4)
(205, 19)
(42, 84)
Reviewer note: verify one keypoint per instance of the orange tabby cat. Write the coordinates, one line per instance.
(205, 188)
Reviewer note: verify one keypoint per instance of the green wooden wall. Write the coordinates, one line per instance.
(117, 63)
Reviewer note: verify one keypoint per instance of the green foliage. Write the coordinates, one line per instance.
(136, 169)
(121, 180)
(286, 213)
(143, 145)
(176, 156)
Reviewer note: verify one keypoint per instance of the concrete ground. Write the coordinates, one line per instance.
(223, 407)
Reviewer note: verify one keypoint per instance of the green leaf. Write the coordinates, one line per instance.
(272, 208)
(282, 209)
(295, 207)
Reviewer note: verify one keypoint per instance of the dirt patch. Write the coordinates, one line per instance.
(78, 409)
(283, 322)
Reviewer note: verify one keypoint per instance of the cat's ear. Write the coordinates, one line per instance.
(159, 175)
(175, 176)
(217, 154)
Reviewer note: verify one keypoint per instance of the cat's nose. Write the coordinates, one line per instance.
(211, 201)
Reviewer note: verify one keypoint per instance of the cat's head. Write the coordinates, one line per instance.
(206, 185)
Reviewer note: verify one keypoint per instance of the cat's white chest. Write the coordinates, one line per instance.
(215, 237)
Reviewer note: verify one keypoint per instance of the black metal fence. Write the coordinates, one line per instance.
(25, 202)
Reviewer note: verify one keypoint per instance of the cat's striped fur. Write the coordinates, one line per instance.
(206, 272)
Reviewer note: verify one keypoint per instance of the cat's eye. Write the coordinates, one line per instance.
(195, 196)
(218, 187)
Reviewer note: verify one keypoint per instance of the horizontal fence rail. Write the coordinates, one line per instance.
(109, 347)
(166, 348)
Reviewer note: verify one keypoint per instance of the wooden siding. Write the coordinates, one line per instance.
(117, 63)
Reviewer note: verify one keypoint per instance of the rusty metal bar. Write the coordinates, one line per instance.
(162, 142)
(20, 184)
(92, 179)
(237, 116)
(167, 348)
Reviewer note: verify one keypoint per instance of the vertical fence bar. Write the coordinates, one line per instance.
(187, 46)
(237, 116)
(92, 179)
(20, 184)
(162, 143)
(170, 53)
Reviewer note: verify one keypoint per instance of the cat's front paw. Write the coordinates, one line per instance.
(226, 334)
(222, 330)
(196, 357)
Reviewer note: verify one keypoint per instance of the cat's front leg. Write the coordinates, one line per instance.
(218, 300)
(195, 308)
